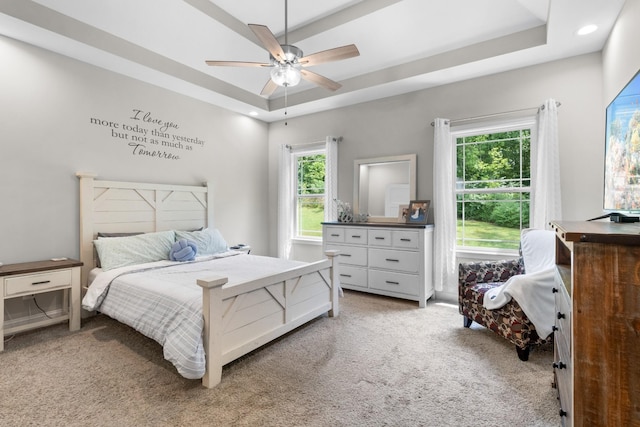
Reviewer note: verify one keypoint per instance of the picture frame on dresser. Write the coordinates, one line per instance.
(418, 211)
(403, 213)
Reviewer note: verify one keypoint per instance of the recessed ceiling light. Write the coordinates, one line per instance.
(587, 29)
(253, 113)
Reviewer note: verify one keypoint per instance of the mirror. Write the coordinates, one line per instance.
(382, 184)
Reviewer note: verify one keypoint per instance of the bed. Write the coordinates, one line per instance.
(242, 301)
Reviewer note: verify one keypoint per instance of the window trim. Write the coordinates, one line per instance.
(517, 124)
(309, 150)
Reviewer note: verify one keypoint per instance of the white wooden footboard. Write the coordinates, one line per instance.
(240, 318)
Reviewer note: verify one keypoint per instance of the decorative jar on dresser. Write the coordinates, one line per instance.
(392, 259)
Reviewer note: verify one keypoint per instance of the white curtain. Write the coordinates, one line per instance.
(331, 179)
(444, 207)
(285, 202)
(545, 169)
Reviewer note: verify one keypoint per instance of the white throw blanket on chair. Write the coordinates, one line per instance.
(534, 294)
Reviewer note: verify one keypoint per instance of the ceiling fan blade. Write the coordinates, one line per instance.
(237, 64)
(269, 88)
(320, 80)
(329, 55)
(268, 40)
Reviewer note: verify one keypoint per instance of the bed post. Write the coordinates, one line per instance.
(86, 224)
(335, 283)
(212, 333)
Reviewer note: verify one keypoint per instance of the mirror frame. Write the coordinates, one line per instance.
(410, 158)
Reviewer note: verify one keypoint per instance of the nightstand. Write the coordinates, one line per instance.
(30, 278)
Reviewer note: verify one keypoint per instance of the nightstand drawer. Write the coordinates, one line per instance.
(31, 283)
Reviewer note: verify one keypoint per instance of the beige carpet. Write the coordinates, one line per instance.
(383, 362)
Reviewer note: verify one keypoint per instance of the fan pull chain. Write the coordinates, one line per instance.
(285, 106)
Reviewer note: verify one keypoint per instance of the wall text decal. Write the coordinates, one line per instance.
(150, 136)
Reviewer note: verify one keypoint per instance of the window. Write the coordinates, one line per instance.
(493, 186)
(309, 194)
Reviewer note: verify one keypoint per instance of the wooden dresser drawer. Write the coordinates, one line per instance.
(379, 237)
(353, 276)
(37, 282)
(394, 282)
(334, 234)
(355, 235)
(353, 255)
(389, 259)
(406, 239)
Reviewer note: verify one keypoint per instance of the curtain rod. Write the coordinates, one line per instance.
(302, 144)
(487, 116)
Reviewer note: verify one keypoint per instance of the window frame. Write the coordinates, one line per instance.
(296, 155)
(484, 129)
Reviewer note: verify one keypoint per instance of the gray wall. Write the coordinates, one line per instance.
(47, 136)
(402, 125)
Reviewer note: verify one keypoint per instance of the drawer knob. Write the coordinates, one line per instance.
(554, 290)
(44, 282)
(561, 315)
(559, 365)
(563, 413)
(554, 328)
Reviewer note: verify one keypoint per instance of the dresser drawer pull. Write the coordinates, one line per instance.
(345, 275)
(41, 283)
(559, 365)
(391, 283)
(554, 290)
(563, 413)
(345, 254)
(405, 240)
(379, 238)
(356, 236)
(554, 328)
(335, 235)
(392, 260)
(560, 316)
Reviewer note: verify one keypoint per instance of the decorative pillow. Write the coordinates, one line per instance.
(208, 241)
(117, 252)
(183, 250)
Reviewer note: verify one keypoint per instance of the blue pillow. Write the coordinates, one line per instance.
(183, 250)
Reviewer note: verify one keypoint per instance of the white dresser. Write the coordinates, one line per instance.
(384, 258)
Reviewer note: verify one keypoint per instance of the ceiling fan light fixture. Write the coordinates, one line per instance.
(286, 74)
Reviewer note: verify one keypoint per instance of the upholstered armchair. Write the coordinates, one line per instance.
(475, 279)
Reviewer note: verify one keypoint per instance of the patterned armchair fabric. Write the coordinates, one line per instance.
(509, 321)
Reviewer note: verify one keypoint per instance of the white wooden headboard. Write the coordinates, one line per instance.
(126, 207)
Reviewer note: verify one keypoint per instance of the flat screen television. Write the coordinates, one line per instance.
(622, 151)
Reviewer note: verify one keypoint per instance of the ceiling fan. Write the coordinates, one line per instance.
(287, 63)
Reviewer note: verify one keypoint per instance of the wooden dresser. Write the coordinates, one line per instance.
(597, 337)
(384, 258)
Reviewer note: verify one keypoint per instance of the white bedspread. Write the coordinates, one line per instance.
(163, 301)
(534, 294)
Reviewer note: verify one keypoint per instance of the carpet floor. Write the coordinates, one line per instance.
(382, 362)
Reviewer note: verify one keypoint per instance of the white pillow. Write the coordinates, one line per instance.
(538, 249)
(117, 252)
(209, 241)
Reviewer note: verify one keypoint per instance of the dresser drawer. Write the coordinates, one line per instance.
(334, 234)
(353, 276)
(389, 259)
(355, 235)
(353, 255)
(563, 316)
(394, 282)
(380, 237)
(36, 282)
(405, 239)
